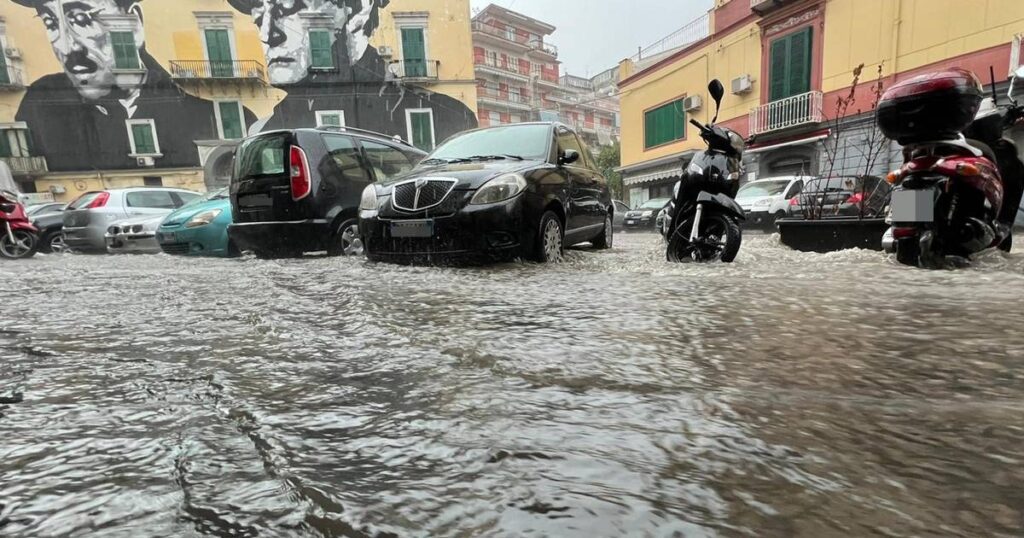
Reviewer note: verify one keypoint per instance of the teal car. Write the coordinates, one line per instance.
(199, 228)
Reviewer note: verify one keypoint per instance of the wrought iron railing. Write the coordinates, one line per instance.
(694, 31)
(785, 113)
(21, 166)
(539, 44)
(508, 67)
(415, 69)
(496, 94)
(218, 70)
(508, 33)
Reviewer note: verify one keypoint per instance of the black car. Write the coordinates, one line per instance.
(841, 196)
(297, 191)
(645, 216)
(525, 190)
(51, 230)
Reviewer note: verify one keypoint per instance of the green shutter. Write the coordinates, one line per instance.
(142, 133)
(414, 52)
(230, 120)
(791, 65)
(778, 75)
(126, 55)
(218, 50)
(5, 75)
(422, 131)
(664, 124)
(321, 53)
(5, 145)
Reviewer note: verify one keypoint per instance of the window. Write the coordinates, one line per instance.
(150, 181)
(414, 52)
(229, 120)
(218, 52)
(345, 154)
(494, 117)
(790, 67)
(514, 95)
(5, 75)
(664, 124)
(14, 143)
(320, 49)
(510, 33)
(420, 123)
(142, 135)
(567, 140)
(126, 54)
(261, 156)
(330, 118)
(386, 161)
(150, 199)
(492, 58)
(795, 189)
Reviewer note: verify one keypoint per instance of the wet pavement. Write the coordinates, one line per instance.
(787, 394)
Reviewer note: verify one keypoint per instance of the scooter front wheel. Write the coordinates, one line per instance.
(718, 238)
(24, 244)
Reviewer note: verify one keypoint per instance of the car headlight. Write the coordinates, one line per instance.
(646, 214)
(369, 200)
(204, 218)
(499, 189)
(762, 203)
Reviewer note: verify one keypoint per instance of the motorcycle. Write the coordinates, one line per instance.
(959, 187)
(18, 238)
(703, 219)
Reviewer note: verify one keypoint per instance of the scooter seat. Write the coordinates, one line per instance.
(986, 150)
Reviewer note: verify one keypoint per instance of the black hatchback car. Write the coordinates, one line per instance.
(297, 191)
(524, 190)
(841, 196)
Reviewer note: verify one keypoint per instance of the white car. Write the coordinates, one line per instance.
(766, 200)
(134, 236)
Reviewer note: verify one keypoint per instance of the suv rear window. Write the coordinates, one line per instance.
(261, 156)
(83, 200)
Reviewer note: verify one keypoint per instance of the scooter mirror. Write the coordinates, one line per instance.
(7, 208)
(717, 91)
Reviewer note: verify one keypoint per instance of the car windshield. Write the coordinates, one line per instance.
(514, 141)
(762, 188)
(656, 203)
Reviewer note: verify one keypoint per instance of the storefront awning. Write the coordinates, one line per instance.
(655, 170)
(802, 139)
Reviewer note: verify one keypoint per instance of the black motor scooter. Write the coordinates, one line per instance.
(704, 218)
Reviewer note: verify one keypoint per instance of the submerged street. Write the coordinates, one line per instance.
(786, 394)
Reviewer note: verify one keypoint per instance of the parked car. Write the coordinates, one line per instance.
(297, 191)
(766, 200)
(523, 190)
(200, 228)
(87, 219)
(134, 236)
(644, 217)
(620, 214)
(44, 208)
(51, 235)
(845, 196)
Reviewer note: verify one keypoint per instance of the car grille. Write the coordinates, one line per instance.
(174, 248)
(421, 194)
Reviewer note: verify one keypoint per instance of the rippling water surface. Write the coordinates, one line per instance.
(785, 395)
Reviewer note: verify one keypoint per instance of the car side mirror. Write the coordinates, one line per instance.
(569, 157)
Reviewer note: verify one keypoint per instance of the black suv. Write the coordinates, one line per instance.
(297, 191)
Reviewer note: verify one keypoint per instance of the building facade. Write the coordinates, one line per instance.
(786, 65)
(519, 79)
(113, 93)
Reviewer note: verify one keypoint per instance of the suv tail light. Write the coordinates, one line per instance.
(99, 201)
(856, 198)
(794, 200)
(299, 173)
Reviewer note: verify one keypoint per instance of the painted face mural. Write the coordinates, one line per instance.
(81, 39)
(285, 27)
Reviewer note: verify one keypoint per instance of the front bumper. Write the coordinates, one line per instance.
(759, 220)
(281, 237)
(132, 243)
(472, 234)
(638, 223)
(209, 240)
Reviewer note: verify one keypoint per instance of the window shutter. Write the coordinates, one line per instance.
(5, 145)
(778, 76)
(665, 124)
(143, 135)
(320, 48)
(5, 75)
(218, 49)
(800, 63)
(230, 120)
(126, 56)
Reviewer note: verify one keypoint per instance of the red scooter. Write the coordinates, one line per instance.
(18, 238)
(955, 195)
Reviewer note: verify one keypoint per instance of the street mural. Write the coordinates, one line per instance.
(114, 102)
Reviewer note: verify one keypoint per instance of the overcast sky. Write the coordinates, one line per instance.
(594, 35)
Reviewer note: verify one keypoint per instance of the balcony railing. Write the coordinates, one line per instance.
(790, 112)
(26, 166)
(415, 69)
(540, 46)
(507, 67)
(495, 94)
(546, 78)
(12, 78)
(764, 6)
(508, 34)
(218, 70)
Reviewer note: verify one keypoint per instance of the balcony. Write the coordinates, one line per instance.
(503, 98)
(13, 81)
(508, 69)
(202, 70)
(26, 166)
(505, 36)
(762, 7)
(539, 46)
(803, 109)
(415, 70)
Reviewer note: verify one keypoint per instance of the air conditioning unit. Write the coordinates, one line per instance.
(742, 85)
(13, 53)
(693, 102)
(386, 52)
(57, 189)
(145, 162)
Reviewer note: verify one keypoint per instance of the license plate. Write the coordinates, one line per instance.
(165, 237)
(255, 201)
(630, 221)
(913, 206)
(412, 228)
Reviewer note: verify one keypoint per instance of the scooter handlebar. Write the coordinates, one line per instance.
(698, 124)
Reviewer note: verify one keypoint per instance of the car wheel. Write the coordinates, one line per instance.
(347, 240)
(53, 243)
(605, 239)
(550, 239)
(779, 216)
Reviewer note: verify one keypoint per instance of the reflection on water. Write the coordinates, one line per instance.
(788, 394)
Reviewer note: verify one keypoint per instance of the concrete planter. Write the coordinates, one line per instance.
(832, 234)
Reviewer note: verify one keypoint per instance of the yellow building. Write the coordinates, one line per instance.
(111, 93)
(785, 63)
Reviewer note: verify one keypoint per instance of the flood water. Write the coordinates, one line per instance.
(787, 394)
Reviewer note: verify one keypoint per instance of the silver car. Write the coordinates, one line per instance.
(88, 218)
(134, 236)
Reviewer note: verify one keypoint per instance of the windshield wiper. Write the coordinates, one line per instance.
(495, 157)
(436, 160)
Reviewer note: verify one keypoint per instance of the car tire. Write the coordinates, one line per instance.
(779, 216)
(53, 243)
(1007, 243)
(346, 240)
(233, 251)
(606, 238)
(550, 245)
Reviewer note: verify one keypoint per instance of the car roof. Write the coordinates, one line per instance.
(353, 131)
(782, 178)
